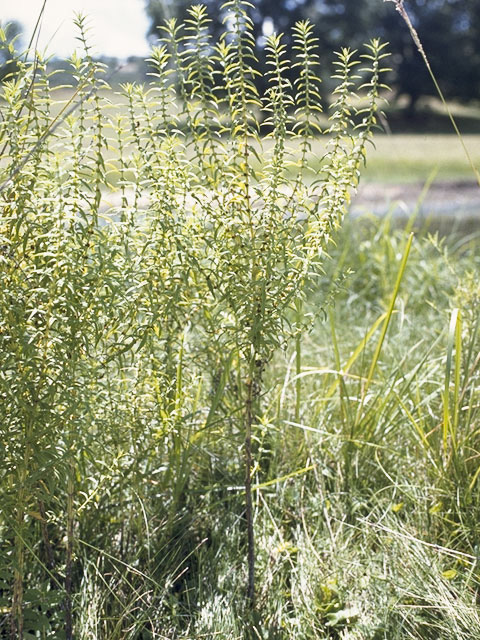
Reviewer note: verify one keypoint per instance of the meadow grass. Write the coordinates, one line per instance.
(183, 380)
(366, 521)
(413, 157)
(366, 526)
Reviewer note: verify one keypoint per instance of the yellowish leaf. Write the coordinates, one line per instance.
(449, 574)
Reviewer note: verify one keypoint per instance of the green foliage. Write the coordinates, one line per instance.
(153, 257)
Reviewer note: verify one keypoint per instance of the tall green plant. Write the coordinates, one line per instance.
(262, 211)
(59, 275)
(112, 310)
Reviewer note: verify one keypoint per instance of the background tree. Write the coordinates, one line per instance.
(450, 33)
(9, 34)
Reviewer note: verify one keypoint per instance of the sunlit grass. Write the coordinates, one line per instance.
(413, 157)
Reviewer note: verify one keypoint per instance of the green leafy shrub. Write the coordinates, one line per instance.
(154, 255)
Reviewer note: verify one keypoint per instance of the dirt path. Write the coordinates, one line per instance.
(455, 198)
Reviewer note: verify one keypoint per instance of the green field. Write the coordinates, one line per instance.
(413, 157)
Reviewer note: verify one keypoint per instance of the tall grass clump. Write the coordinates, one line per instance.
(155, 255)
(410, 472)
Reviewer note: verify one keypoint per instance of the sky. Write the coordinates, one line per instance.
(118, 27)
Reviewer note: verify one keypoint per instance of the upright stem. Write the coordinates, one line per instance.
(17, 600)
(16, 629)
(298, 362)
(50, 558)
(248, 491)
(68, 562)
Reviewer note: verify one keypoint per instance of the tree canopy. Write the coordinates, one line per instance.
(9, 33)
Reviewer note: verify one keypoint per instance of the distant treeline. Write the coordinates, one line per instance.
(448, 29)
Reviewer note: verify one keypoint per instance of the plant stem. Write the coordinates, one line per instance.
(50, 558)
(68, 563)
(248, 491)
(298, 362)
(17, 600)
